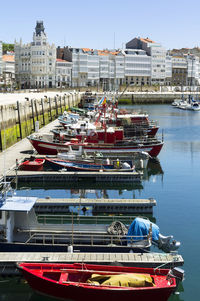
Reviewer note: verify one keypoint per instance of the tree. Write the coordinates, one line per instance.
(7, 47)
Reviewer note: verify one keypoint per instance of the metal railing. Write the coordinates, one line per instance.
(83, 219)
(98, 239)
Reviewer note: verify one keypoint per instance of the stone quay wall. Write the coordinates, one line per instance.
(18, 119)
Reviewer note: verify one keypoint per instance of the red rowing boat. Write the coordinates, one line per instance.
(32, 164)
(100, 282)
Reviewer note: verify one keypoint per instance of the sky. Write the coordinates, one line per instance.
(104, 23)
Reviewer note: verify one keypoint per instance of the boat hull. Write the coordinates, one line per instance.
(32, 165)
(51, 148)
(22, 247)
(57, 164)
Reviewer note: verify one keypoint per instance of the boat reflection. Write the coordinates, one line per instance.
(153, 168)
(18, 289)
(88, 185)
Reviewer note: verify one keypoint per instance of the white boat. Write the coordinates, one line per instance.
(76, 152)
(22, 230)
(176, 102)
(194, 106)
(184, 105)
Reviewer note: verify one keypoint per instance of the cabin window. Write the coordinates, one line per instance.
(75, 147)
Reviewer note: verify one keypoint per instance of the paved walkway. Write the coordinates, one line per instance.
(10, 98)
(8, 157)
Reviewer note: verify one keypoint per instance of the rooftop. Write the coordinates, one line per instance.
(62, 61)
(8, 58)
(100, 52)
(146, 40)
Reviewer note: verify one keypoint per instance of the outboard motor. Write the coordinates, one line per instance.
(177, 273)
(167, 243)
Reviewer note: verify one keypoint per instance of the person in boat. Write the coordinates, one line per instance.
(108, 161)
(84, 209)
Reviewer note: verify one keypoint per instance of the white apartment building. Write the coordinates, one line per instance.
(35, 62)
(8, 70)
(168, 70)
(79, 67)
(157, 57)
(137, 67)
(63, 73)
(111, 69)
(91, 67)
(193, 70)
(158, 63)
(105, 70)
(120, 67)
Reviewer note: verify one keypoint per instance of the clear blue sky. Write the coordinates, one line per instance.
(104, 23)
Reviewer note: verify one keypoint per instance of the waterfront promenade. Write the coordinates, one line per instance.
(9, 156)
(12, 98)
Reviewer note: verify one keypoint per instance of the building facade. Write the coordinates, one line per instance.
(8, 70)
(179, 71)
(193, 70)
(63, 73)
(137, 67)
(157, 56)
(35, 63)
(185, 70)
(91, 67)
(143, 62)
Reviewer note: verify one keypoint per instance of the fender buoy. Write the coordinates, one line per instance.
(93, 135)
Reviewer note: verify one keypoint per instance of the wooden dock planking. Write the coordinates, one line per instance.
(85, 201)
(8, 260)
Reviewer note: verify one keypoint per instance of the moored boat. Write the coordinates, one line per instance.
(32, 164)
(90, 165)
(194, 106)
(47, 146)
(98, 282)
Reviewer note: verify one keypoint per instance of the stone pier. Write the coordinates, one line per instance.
(20, 111)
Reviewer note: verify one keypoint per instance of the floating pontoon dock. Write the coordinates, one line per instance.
(125, 206)
(8, 260)
(57, 176)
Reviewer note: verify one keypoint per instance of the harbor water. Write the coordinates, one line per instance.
(174, 182)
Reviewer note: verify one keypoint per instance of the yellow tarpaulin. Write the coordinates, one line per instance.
(128, 280)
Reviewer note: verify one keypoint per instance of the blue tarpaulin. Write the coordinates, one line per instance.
(140, 227)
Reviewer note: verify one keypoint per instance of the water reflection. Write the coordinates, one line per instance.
(88, 185)
(153, 168)
(90, 189)
(18, 289)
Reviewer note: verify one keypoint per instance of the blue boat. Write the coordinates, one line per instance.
(90, 165)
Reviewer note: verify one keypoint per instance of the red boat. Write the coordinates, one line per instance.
(46, 145)
(32, 164)
(101, 282)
